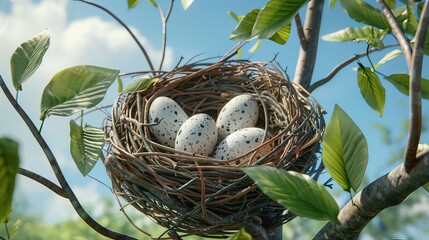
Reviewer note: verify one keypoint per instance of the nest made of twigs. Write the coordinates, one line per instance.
(201, 195)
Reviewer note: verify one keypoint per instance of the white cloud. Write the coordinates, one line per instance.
(88, 40)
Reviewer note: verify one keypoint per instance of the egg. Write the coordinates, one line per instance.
(197, 135)
(240, 112)
(241, 142)
(167, 117)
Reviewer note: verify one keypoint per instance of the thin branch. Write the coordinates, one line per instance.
(342, 65)
(415, 91)
(149, 62)
(300, 31)
(307, 54)
(387, 191)
(57, 170)
(164, 19)
(44, 181)
(397, 30)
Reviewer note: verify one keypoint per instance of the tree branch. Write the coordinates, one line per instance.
(44, 181)
(397, 30)
(149, 62)
(342, 65)
(300, 31)
(164, 19)
(57, 170)
(307, 54)
(415, 91)
(387, 191)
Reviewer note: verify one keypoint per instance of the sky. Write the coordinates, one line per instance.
(82, 34)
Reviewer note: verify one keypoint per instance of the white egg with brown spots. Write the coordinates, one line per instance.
(167, 117)
(197, 135)
(240, 142)
(240, 112)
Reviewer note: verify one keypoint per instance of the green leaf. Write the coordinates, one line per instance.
(244, 28)
(332, 3)
(153, 3)
(256, 46)
(120, 84)
(235, 16)
(27, 58)
(140, 84)
(241, 235)
(345, 150)
(9, 162)
(187, 3)
(15, 227)
(74, 89)
(389, 56)
(282, 35)
(410, 24)
(422, 147)
(391, 3)
(85, 146)
(426, 187)
(402, 83)
(299, 193)
(275, 15)
(132, 3)
(371, 89)
(362, 12)
(368, 34)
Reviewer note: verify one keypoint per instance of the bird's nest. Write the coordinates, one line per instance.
(200, 195)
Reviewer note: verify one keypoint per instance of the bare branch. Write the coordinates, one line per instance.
(342, 65)
(387, 191)
(44, 181)
(57, 170)
(415, 91)
(164, 19)
(397, 30)
(307, 54)
(149, 62)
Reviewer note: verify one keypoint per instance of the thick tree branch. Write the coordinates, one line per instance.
(57, 170)
(397, 30)
(342, 65)
(415, 91)
(387, 191)
(307, 54)
(44, 181)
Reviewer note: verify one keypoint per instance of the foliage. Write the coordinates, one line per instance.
(9, 161)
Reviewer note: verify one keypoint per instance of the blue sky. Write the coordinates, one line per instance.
(82, 34)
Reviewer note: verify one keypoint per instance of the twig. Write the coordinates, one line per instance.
(57, 170)
(397, 30)
(343, 64)
(164, 19)
(415, 91)
(44, 181)
(300, 30)
(149, 62)
(389, 190)
(307, 56)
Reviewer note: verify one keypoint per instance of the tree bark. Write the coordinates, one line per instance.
(387, 191)
(308, 51)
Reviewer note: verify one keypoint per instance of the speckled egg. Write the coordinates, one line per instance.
(197, 135)
(240, 112)
(241, 142)
(169, 116)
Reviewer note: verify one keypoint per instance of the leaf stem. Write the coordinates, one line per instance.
(149, 62)
(164, 19)
(415, 91)
(57, 170)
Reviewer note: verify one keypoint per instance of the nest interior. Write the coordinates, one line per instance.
(201, 195)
